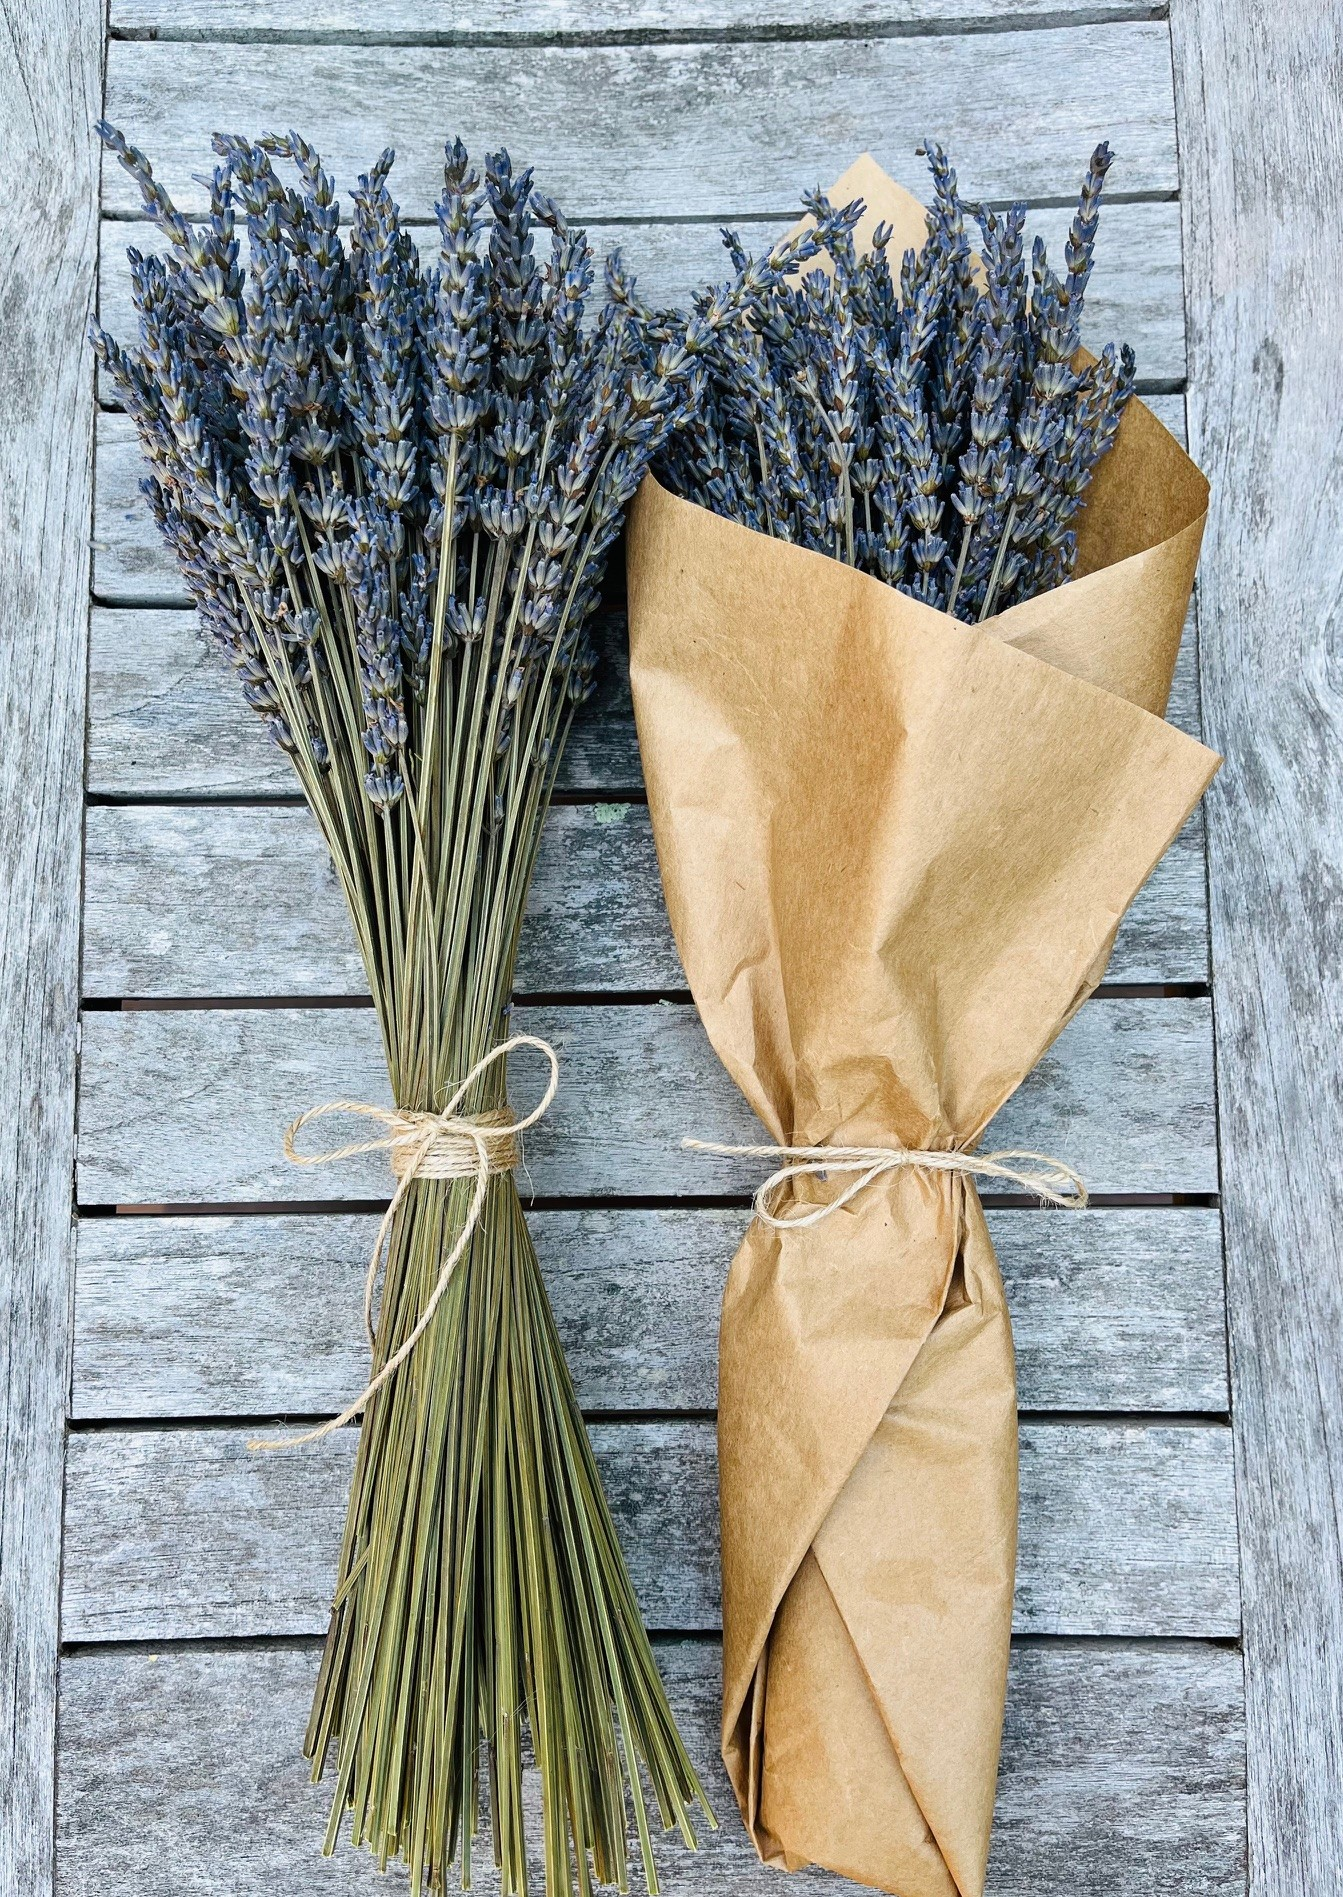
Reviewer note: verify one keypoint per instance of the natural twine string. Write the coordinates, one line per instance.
(445, 1145)
(1050, 1179)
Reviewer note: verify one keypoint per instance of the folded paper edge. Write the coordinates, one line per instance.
(653, 496)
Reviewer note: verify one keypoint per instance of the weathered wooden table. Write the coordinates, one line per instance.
(189, 978)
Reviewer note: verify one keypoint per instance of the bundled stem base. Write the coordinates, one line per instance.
(482, 1588)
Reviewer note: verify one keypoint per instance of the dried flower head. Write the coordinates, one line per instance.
(940, 436)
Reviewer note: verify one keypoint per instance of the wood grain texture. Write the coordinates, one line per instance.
(244, 901)
(1135, 295)
(673, 131)
(166, 719)
(189, 1107)
(50, 85)
(177, 1534)
(1262, 141)
(1122, 1772)
(512, 22)
(1118, 1310)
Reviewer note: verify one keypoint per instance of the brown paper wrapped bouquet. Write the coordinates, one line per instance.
(900, 813)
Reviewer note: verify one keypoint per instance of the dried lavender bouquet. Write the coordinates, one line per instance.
(938, 433)
(392, 492)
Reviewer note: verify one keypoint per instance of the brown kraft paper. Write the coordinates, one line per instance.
(895, 849)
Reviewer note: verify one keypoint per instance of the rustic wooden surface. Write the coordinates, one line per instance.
(1122, 1774)
(189, 1106)
(172, 1534)
(208, 1317)
(190, 902)
(1123, 1767)
(166, 722)
(684, 132)
(1263, 142)
(50, 84)
(465, 22)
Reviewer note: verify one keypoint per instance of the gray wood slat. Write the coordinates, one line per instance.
(673, 131)
(1262, 147)
(167, 719)
(179, 1317)
(189, 1534)
(244, 901)
(429, 22)
(189, 1106)
(132, 566)
(1134, 295)
(50, 88)
(1122, 1774)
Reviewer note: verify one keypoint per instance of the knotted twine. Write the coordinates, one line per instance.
(1049, 1179)
(446, 1145)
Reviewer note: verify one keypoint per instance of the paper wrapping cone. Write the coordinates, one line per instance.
(895, 850)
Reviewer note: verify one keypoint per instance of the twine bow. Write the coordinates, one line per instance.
(1049, 1179)
(446, 1145)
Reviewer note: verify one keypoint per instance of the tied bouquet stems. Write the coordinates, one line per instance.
(392, 492)
(938, 432)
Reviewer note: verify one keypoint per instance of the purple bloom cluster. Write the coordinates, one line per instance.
(364, 465)
(939, 434)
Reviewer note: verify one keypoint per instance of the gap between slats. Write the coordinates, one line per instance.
(556, 998)
(1044, 19)
(229, 1644)
(617, 1419)
(598, 1202)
